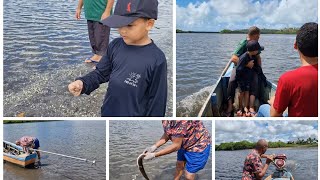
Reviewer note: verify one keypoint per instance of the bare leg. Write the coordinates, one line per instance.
(189, 176)
(246, 99)
(38, 153)
(252, 99)
(179, 169)
(241, 95)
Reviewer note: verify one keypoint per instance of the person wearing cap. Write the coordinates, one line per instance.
(192, 141)
(253, 34)
(281, 172)
(253, 168)
(245, 76)
(27, 142)
(98, 33)
(134, 66)
(297, 89)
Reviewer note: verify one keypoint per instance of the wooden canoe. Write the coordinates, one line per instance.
(14, 154)
(216, 102)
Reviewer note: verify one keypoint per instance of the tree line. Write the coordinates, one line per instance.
(230, 146)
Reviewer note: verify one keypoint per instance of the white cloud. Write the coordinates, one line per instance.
(215, 15)
(227, 131)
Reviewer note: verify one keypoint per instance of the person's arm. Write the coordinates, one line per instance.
(273, 111)
(264, 169)
(281, 100)
(175, 146)
(158, 91)
(107, 11)
(78, 10)
(259, 60)
(100, 75)
(162, 140)
(234, 59)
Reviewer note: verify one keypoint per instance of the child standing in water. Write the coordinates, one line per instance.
(134, 66)
(95, 11)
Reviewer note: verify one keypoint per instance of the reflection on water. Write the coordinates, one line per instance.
(202, 57)
(44, 50)
(127, 141)
(84, 139)
(229, 164)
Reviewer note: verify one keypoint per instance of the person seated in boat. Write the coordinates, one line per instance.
(192, 141)
(253, 168)
(297, 89)
(244, 77)
(281, 171)
(27, 142)
(253, 34)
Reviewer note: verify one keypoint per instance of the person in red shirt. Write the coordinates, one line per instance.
(298, 89)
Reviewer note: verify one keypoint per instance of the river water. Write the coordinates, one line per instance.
(201, 57)
(229, 164)
(83, 139)
(128, 139)
(44, 50)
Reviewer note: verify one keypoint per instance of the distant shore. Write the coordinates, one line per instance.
(245, 31)
(300, 143)
(22, 121)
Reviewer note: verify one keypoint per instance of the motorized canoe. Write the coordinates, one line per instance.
(14, 154)
(216, 102)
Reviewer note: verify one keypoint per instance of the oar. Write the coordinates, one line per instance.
(81, 159)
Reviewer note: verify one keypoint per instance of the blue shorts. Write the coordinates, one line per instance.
(36, 144)
(195, 161)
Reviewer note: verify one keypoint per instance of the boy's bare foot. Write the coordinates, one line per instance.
(252, 112)
(94, 59)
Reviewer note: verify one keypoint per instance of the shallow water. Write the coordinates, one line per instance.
(83, 139)
(128, 139)
(229, 164)
(202, 57)
(44, 50)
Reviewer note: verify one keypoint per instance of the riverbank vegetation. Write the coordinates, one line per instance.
(263, 31)
(245, 31)
(22, 121)
(230, 146)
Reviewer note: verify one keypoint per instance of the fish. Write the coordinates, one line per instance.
(140, 165)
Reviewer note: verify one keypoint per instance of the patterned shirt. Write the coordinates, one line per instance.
(252, 165)
(26, 141)
(195, 136)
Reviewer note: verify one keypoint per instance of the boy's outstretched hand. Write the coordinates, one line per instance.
(76, 87)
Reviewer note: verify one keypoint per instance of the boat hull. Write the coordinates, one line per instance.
(216, 102)
(23, 160)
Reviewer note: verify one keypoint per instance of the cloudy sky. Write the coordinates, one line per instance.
(227, 131)
(215, 15)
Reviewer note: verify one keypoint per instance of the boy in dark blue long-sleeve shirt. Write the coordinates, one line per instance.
(244, 76)
(134, 66)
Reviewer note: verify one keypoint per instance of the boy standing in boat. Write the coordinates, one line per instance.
(192, 141)
(253, 34)
(297, 90)
(27, 142)
(134, 66)
(245, 75)
(95, 11)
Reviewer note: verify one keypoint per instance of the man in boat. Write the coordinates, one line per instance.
(297, 90)
(253, 34)
(27, 142)
(244, 74)
(253, 168)
(192, 141)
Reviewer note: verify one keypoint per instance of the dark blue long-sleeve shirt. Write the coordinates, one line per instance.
(137, 77)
